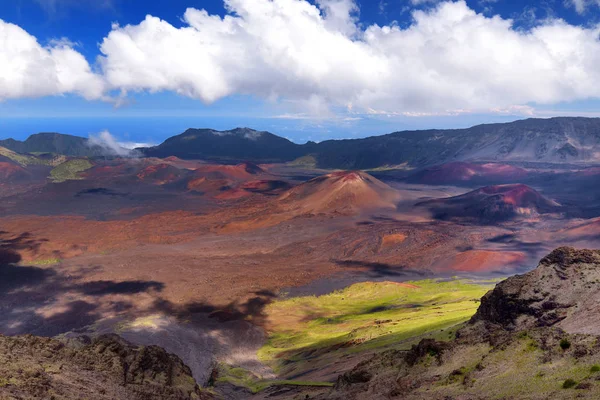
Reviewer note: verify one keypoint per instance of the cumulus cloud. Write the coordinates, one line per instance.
(111, 147)
(28, 69)
(449, 58)
(317, 57)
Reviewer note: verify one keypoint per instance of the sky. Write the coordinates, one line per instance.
(303, 69)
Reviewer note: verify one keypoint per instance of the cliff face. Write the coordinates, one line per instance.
(107, 367)
(562, 291)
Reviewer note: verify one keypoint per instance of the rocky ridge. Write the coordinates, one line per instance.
(106, 367)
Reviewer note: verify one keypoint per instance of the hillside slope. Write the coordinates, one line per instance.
(342, 192)
(534, 337)
(107, 367)
(464, 172)
(235, 144)
(493, 204)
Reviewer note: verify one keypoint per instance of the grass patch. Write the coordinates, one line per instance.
(47, 261)
(366, 316)
(398, 167)
(244, 378)
(70, 170)
(569, 383)
(27, 159)
(305, 161)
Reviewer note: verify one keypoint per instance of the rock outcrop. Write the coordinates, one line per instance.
(106, 367)
(535, 336)
(562, 291)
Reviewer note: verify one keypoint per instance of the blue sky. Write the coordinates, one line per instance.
(292, 99)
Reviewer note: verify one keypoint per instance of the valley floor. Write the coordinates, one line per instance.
(266, 280)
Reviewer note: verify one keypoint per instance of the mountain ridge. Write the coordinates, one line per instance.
(52, 142)
(557, 140)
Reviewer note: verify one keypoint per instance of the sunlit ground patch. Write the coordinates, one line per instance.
(364, 317)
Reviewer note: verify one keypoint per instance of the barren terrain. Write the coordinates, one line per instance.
(189, 255)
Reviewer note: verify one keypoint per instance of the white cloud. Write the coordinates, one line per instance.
(313, 59)
(112, 147)
(28, 69)
(581, 6)
(340, 15)
(450, 58)
(135, 145)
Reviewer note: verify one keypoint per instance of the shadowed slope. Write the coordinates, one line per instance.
(463, 172)
(493, 203)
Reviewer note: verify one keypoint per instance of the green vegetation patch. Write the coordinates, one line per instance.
(70, 170)
(244, 378)
(22, 159)
(29, 159)
(309, 161)
(47, 261)
(565, 344)
(366, 316)
(509, 372)
(569, 383)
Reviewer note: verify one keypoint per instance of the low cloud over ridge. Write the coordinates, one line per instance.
(112, 147)
(450, 59)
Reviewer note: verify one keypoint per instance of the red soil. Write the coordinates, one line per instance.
(256, 185)
(107, 171)
(206, 185)
(66, 236)
(393, 239)
(492, 202)
(10, 172)
(518, 195)
(342, 192)
(159, 174)
(484, 261)
(241, 171)
(233, 194)
(587, 230)
(265, 186)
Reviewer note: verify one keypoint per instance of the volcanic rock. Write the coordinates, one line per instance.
(562, 291)
(105, 367)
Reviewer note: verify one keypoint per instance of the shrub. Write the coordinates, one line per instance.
(565, 344)
(595, 368)
(569, 383)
